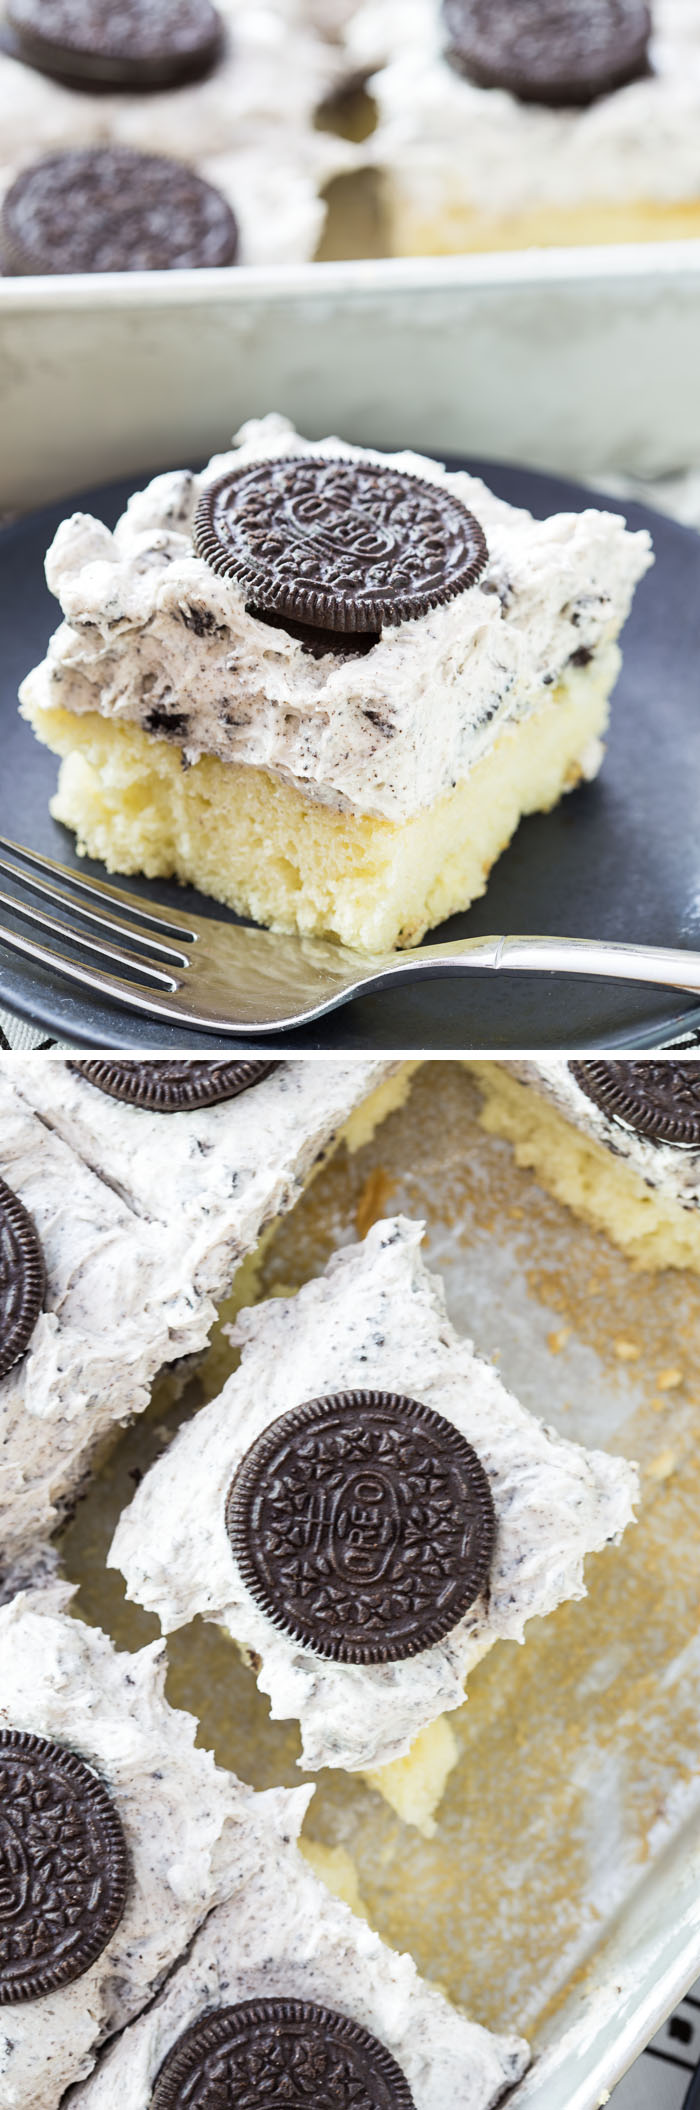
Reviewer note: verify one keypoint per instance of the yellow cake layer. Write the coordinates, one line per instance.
(365, 1119)
(336, 1868)
(271, 852)
(414, 1786)
(459, 228)
(652, 1231)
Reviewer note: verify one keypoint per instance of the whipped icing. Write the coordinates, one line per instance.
(329, 17)
(247, 127)
(284, 1936)
(673, 1170)
(376, 1317)
(446, 139)
(180, 1814)
(351, 732)
(143, 1220)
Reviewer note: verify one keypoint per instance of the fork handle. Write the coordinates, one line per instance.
(659, 964)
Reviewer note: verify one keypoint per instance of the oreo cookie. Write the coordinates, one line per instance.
(173, 1087)
(117, 44)
(111, 209)
(22, 1279)
(659, 1100)
(364, 1524)
(339, 546)
(562, 53)
(63, 1867)
(286, 2052)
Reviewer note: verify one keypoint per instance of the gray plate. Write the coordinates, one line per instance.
(617, 859)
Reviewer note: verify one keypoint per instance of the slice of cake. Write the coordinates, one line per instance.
(287, 1997)
(509, 127)
(117, 1840)
(238, 107)
(618, 1141)
(366, 1510)
(324, 684)
(119, 1228)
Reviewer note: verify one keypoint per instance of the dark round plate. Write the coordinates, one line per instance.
(617, 859)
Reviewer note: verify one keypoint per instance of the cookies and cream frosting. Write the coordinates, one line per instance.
(154, 636)
(671, 1169)
(213, 1177)
(375, 1318)
(181, 1816)
(448, 137)
(247, 127)
(142, 1220)
(330, 17)
(283, 1936)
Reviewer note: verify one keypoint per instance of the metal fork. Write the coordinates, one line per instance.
(236, 979)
